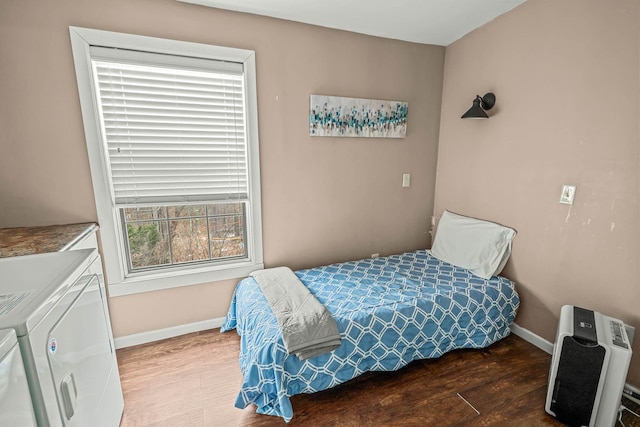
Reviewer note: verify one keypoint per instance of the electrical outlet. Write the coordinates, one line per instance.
(567, 195)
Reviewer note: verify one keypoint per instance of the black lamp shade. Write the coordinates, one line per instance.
(480, 104)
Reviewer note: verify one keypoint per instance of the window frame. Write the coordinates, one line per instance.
(112, 241)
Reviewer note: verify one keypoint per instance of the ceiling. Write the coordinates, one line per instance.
(437, 22)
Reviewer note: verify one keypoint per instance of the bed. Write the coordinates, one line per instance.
(389, 311)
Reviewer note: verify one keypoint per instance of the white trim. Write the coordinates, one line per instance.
(161, 334)
(93, 37)
(158, 281)
(532, 338)
(112, 239)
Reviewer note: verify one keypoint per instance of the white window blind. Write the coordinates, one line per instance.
(172, 134)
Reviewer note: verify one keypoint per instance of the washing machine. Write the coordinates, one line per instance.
(56, 304)
(15, 402)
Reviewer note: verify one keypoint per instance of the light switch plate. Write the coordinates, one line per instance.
(567, 195)
(406, 179)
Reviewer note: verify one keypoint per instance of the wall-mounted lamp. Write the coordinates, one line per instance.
(480, 104)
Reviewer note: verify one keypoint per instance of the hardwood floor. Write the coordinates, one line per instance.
(193, 380)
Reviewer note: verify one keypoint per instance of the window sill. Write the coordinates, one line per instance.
(174, 279)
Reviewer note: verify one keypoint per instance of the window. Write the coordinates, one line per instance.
(171, 131)
(169, 235)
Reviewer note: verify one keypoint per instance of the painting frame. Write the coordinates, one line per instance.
(337, 116)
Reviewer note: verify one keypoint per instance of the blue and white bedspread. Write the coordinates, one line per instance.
(390, 311)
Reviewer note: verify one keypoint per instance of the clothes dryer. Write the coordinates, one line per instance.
(56, 303)
(15, 402)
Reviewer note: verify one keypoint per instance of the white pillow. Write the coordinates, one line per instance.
(482, 247)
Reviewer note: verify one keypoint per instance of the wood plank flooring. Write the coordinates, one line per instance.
(193, 380)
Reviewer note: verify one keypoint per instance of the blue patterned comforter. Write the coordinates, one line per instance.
(390, 311)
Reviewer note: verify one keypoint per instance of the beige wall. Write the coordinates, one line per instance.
(566, 77)
(324, 199)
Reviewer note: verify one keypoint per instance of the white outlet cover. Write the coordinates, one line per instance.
(567, 195)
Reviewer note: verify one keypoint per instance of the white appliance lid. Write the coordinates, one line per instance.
(8, 341)
(31, 285)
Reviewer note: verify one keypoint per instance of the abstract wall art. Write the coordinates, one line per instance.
(356, 117)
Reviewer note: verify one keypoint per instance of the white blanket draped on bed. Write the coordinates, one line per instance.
(308, 329)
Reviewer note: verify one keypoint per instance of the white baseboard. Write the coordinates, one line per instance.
(160, 334)
(532, 338)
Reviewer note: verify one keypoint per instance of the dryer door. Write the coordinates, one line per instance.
(81, 358)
